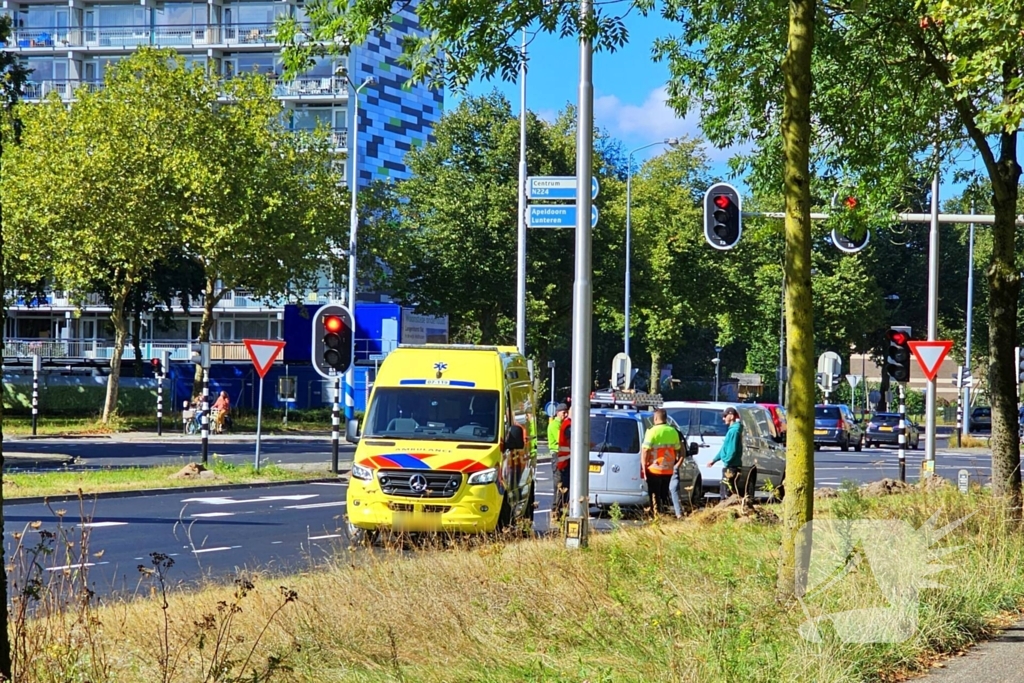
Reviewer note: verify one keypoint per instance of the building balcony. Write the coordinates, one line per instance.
(262, 35)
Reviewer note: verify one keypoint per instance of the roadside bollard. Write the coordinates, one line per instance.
(205, 424)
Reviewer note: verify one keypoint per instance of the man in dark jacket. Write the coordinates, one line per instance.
(731, 453)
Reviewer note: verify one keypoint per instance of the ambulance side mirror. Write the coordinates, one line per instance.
(352, 431)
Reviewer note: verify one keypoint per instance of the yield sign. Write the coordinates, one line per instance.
(930, 355)
(263, 353)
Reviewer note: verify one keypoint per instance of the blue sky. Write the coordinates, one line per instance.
(629, 88)
(629, 94)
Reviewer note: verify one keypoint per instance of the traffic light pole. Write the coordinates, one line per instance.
(933, 326)
(160, 405)
(335, 425)
(35, 394)
(576, 530)
(903, 435)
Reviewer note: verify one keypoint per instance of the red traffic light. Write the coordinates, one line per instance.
(898, 337)
(722, 202)
(155, 362)
(333, 324)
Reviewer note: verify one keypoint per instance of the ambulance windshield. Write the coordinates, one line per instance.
(433, 413)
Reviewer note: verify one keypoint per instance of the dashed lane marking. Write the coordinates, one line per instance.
(214, 514)
(320, 538)
(217, 549)
(98, 525)
(309, 506)
(75, 566)
(261, 499)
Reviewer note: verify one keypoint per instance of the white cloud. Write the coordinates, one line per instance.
(651, 120)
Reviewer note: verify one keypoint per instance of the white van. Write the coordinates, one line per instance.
(702, 423)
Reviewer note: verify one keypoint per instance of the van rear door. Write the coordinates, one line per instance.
(614, 454)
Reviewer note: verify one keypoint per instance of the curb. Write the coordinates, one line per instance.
(159, 492)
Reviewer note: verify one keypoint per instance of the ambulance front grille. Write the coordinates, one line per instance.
(419, 483)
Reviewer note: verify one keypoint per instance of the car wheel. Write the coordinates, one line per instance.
(845, 445)
(860, 445)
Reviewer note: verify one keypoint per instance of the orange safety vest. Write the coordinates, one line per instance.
(664, 460)
(562, 456)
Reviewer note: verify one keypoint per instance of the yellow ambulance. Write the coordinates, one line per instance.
(445, 442)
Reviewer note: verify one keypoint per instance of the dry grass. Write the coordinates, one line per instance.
(970, 441)
(680, 601)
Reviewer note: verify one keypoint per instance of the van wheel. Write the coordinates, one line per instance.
(358, 536)
(504, 515)
(695, 498)
(530, 503)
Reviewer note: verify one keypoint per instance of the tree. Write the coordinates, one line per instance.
(260, 205)
(95, 185)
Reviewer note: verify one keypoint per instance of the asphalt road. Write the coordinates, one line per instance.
(286, 528)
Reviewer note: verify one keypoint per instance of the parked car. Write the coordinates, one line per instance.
(778, 414)
(763, 454)
(616, 465)
(884, 429)
(835, 425)
(981, 419)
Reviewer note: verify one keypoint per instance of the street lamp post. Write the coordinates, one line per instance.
(671, 142)
(353, 152)
(717, 360)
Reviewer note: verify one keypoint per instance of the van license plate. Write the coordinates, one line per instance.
(595, 468)
(820, 431)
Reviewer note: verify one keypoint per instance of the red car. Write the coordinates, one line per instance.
(778, 418)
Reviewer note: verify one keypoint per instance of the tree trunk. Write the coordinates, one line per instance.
(136, 343)
(798, 507)
(120, 337)
(210, 299)
(655, 383)
(1004, 290)
(5, 643)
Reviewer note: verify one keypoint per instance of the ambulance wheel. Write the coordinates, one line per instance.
(358, 536)
(504, 515)
(530, 503)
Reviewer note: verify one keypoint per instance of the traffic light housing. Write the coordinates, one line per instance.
(332, 340)
(723, 216)
(897, 358)
(158, 370)
(160, 363)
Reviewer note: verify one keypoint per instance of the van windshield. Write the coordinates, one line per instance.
(614, 435)
(433, 414)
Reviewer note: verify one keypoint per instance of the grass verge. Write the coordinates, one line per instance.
(89, 482)
(674, 601)
(245, 423)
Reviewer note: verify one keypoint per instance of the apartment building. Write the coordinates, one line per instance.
(71, 45)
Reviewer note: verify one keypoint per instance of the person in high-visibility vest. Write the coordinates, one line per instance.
(562, 466)
(554, 427)
(660, 451)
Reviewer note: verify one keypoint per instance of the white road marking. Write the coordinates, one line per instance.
(213, 550)
(276, 542)
(327, 483)
(97, 525)
(261, 499)
(74, 566)
(320, 538)
(214, 514)
(309, 506)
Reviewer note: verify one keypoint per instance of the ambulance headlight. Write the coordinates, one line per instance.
(360, 472)
(485, 477)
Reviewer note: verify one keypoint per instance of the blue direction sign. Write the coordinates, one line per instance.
(555, 216)
(556, 187)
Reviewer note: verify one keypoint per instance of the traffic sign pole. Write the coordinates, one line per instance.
(933, 318)
(259, 421)
(335, 425)
(263, 354)
(205, 418)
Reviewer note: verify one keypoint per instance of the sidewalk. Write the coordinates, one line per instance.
(994, 661)
(13, 459)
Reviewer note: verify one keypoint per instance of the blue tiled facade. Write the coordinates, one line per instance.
(394, 116)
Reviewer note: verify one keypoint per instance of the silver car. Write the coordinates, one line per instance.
(616, 465)
(702, 423)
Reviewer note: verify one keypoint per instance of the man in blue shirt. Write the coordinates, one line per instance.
(731, 453)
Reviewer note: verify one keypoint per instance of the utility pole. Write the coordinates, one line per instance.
(576, 525)
(521, 253)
